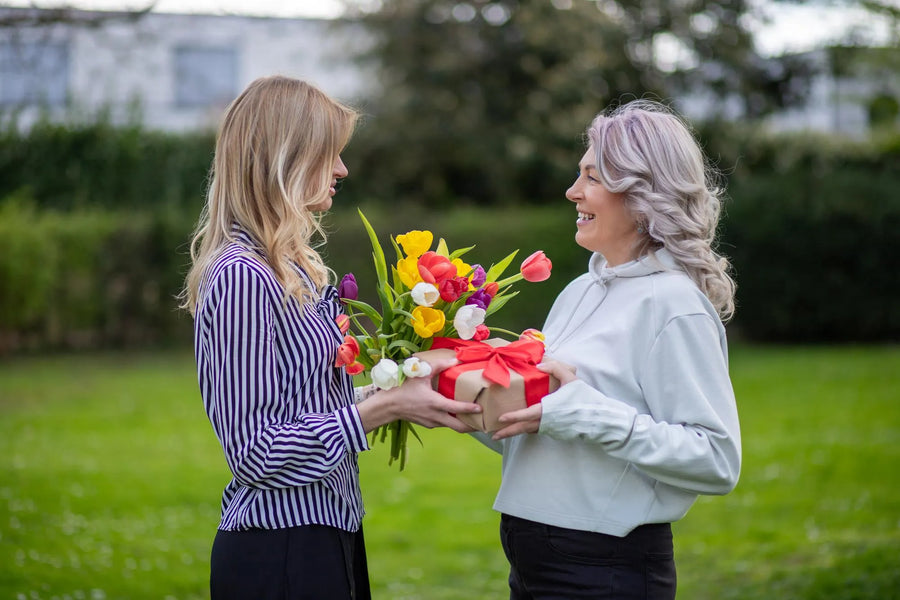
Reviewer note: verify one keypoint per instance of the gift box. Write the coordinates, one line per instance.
(498, 375)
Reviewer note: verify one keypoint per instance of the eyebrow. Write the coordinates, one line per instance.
(587, 166)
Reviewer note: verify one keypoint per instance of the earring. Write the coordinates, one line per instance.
(640, 228)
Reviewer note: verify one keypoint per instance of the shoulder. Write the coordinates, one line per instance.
(674, 295)
(236, 269)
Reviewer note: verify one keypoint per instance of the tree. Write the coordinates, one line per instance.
(485, 100)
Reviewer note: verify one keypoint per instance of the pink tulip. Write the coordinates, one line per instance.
(536, 267)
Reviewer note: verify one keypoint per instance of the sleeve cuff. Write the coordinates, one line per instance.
(352, 429)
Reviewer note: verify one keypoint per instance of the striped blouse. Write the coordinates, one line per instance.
(283, 413)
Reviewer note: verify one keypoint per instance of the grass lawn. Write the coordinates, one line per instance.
(110, 479)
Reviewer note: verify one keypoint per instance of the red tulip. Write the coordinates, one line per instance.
(347, 352)
(435, 268)
(492, 288)
(536, 267)
(451, 289)
(355, 368)
(481, 333)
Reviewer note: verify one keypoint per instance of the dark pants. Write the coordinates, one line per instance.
(548, 562)
(312, 562)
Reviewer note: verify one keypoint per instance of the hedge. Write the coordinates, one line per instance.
(810, 225)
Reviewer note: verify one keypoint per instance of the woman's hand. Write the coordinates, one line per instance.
(528, 420)
(416, 402)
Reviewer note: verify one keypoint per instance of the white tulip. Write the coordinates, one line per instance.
(467, 318)
(425, 294)
(386, 374)
(413, 367)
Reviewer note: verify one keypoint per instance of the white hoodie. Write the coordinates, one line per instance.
(650, 423)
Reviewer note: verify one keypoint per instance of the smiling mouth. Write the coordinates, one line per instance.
(584, 217)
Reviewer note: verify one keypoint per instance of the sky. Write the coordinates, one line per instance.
(791, 28)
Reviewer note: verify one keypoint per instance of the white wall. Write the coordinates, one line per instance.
(121, 61)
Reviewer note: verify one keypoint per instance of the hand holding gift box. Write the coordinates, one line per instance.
(498, 375)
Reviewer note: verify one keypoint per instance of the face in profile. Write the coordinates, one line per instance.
(338, 171)
(604, 224)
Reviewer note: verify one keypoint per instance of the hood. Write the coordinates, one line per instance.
(656, 261)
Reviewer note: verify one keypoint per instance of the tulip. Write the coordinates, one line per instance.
(415, 243)
(386, 374)
(451, 289)
(467, 320)
(481, 333)
(425, 294)
(355, 368)
(536, 267)
(427, 321)
(479, 276)
(343, 323)
(348, 288)
(435, 268)
(408, 271)
(491, 289)
(533, 334)
(415, 367)
(347, 352)
(480, 298)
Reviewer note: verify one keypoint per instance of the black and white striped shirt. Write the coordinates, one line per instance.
(283, 413)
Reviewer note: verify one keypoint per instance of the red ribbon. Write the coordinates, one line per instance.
(496, 363)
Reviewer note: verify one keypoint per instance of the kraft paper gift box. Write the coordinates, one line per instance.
(466, 381)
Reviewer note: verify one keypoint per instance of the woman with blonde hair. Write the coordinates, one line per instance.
(266, 340)
(647, 419)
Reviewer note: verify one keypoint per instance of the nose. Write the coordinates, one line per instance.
(340, 169)
(574, 191)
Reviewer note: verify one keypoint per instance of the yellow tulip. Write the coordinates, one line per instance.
(408, 271)
(427, 321)
(415, 243)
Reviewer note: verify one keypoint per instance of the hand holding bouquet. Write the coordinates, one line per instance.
(428, 293)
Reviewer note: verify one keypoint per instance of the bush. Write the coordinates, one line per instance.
(88, 279)
(811, 227)
(96, 164)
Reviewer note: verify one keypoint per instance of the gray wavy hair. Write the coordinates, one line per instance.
(647, 153)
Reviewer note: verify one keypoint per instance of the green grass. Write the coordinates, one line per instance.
(110, 479)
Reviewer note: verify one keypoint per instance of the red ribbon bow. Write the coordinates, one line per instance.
(496, 363)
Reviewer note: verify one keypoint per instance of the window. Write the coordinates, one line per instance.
(205, 76)
(34, 73)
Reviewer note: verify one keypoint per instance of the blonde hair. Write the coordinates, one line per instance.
(274, 161)
(647, 153)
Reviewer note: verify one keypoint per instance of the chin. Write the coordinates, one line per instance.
(321, 206)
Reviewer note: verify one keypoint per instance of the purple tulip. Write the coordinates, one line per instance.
(347, 288)
(478, 276)
(479, 298)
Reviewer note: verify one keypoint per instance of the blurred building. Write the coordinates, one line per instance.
(168, 71)
(178, 71)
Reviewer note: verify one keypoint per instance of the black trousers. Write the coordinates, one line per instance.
(553, 563)
(311, 562)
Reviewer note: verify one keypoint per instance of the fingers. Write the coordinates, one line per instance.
(516, 429)
(441, 364)
(532, 413)
(563, 372)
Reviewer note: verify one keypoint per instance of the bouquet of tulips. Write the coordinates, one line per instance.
(424, 294)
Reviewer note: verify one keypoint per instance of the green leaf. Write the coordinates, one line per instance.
(497, 270)
(460, 252)
(413, 348)
(367, 310)
(498, 302)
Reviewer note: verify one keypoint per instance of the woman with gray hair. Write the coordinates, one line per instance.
(594, 475)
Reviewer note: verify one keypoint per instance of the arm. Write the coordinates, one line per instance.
(241, 394)
(690, 439)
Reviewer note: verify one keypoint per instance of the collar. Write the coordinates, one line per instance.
(654, 262)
